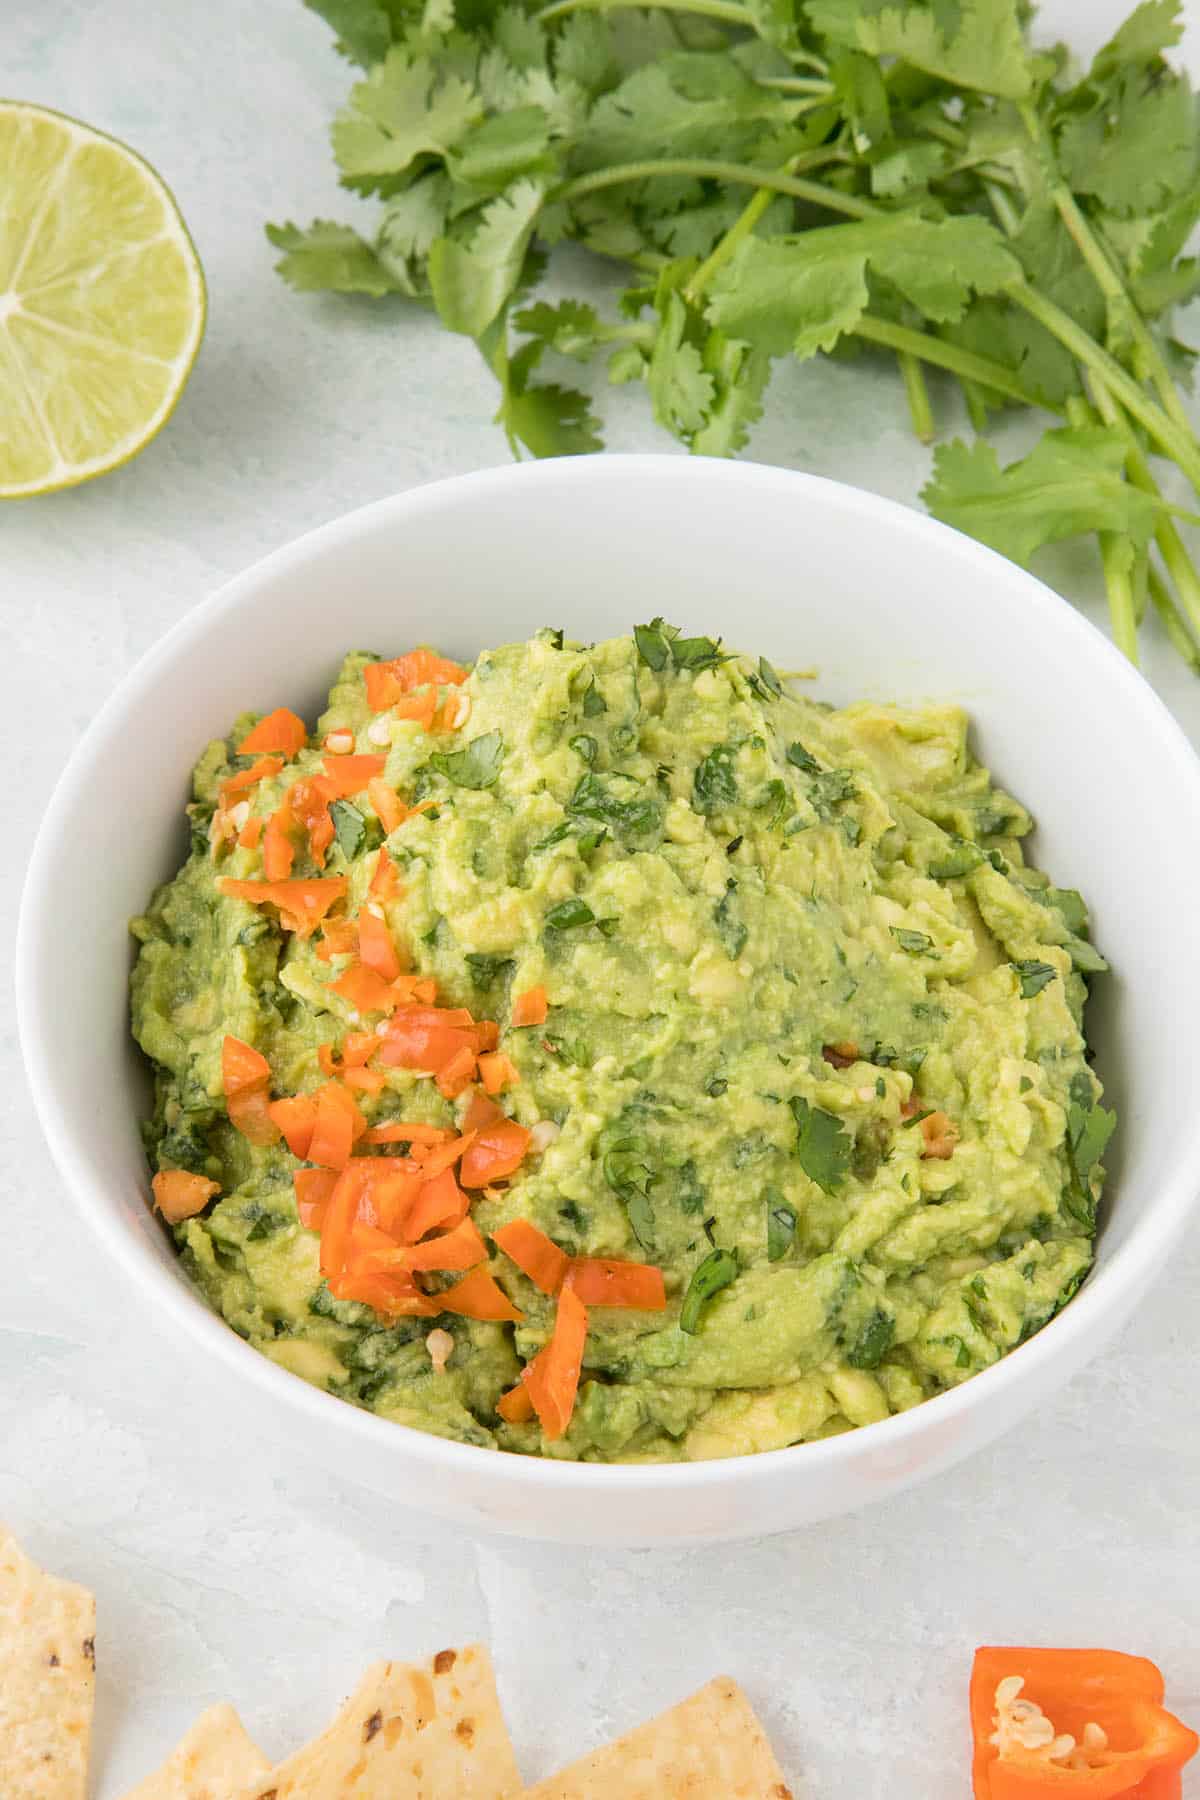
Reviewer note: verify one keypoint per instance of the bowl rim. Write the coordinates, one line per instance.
(1101, 1295)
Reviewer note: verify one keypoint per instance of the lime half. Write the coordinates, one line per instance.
(101, 302)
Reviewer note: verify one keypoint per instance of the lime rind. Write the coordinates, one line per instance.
(102, 302)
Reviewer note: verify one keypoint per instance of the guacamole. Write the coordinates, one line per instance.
(813, 1042)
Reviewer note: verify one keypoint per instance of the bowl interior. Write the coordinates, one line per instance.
(882, 602)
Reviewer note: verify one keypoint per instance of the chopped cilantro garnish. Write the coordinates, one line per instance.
(569, 914)
(718, 1269)
(822, 1145)
(476, 765)
(873, 1341)
(349, 828)
(714, 785)
(1033, 976)
(917, 943)
(781, 1225)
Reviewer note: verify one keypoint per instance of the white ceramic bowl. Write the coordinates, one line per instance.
(884, 603)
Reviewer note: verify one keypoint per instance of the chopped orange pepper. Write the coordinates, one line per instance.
(347, 775)
(301, 904)
(497, 1071)
(440, 1203)
(481, 1112)
(246, 1078)
(385, 882)
(605, 1281)
(515, 1407)
(364, 990)
(478, 1296)
(535, 1254)
(179, 1195)
(940, 1135)
(248, 778)
(531, 1007)
(339, 937)
(296, 1117)
(313, 1188)
(376, 950)
(388, 682)
(280, 730)
(418, 707)
(396, 1295)
(426, 1037)
(497, 1152)
(436, 1157)
(251, 832)
(552, 1378)
(337, 1125)
(309, 804)
(387, 804)
(1138, 1749)
(456, 1075)
(460, 1248)
(365, 1081)
(279, 852)
(401, 1132)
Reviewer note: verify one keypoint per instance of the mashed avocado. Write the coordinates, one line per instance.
(815, 1029)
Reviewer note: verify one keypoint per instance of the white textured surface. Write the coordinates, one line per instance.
(222, 1576)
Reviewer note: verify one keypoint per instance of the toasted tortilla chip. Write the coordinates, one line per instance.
(213, 1760)
(408, 1733)
(710, 1747)
(47, 1680)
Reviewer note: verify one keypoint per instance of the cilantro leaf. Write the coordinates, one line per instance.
(714, 784)
(1072, 481)
(363, 27)
(1089, 1130)
(1033, 976)
(732, 931)
(802, 293)
(349, 828)
(486, 969)
(570, 329)
(681, 392)
(873, 1341)
(405, 112)
(471, 281)
(476, 765)
(619, 801)
(502, 148)
(781, 1226)
(329, 256)
(677, 106)
(719, 1268)
(917, 943)
(822, 1145)
(978, 45)
(1137, 148)
(1151, 28)
(569, 914)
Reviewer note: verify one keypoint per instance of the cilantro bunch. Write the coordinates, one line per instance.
(787, 177)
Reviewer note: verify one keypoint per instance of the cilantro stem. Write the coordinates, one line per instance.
(976, 404)
(918, 396)
(1177, 632)
(737, 174)
(1115, 291)
(960, 362)
(1179, 445)
(795, 84)
(1172, 548)
(1114, 555)
(746, 221)
(726, 10)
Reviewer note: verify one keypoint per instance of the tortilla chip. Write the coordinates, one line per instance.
(47, 1680)
(408, 1733)
(212, 1761)
(710, 1747)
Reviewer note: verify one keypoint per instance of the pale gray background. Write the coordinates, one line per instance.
(221, 1574)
